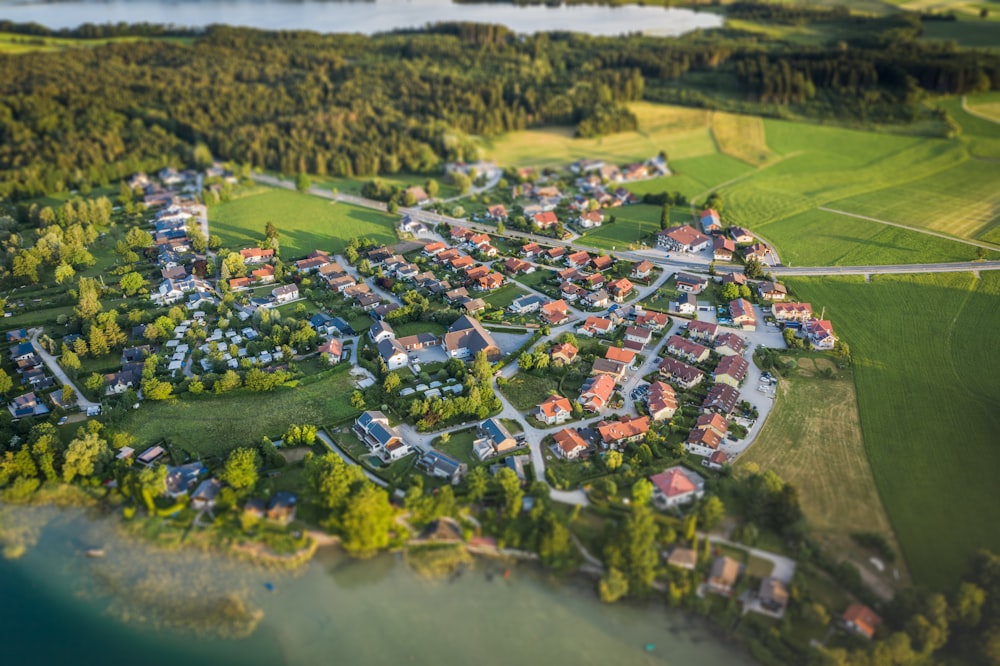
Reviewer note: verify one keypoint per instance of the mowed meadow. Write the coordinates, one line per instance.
(306, 222)
(925, 366)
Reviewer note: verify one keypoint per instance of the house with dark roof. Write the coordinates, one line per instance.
(494, 440)
(772, 291)
(690, 284)
(731, 370)
(467, 337)
(703, 331)
(380, 331)
(721, 399)
(442, 466)
(742, 314)
(682, 348)
(392, 353)
(680, 373)
(729, 344)
(373, 429)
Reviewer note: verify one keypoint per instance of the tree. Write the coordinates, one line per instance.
(271, 232)
(152, 483)
(612, 586)
(64, 273)
(357, 400)
(730, 291)
(366, 522)
(555, 548)
(753, 269)
(300, 435)
(391, 383)
(227, 382)
(501, 228)
(6, 383)
(85, 455)
(639, 549)
(155, 389)
(613, 460)
(138, 239)
(510, 485)
(234, 265)
(642, 493)
(26, 265)
(196, 387)
(478, 483)
(88, 302)
(67, 395)
(665, 217)
(196, 236)
(302, 182)
(241, 468)
(432, 188)
(332, 480)
(711, 512)
(131, 283)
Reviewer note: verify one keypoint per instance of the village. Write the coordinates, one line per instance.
(595, 361)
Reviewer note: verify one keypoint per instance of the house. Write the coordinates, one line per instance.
(378, 256)
(773, 594)
(620, 289)
(661, 401)
(332, 350)
(690, 284)
(721, 399)
(654, 321)
(322, 323)
(595, 326)
(710, 221)
(792, 311)
(602, 262)
(592, 282)
(683, 558)
(563, 354)
(265, 274)
(683, 239)
(373, 429)
(742, 314)
(181, 479)
(497, 213)
(635, 172)
(439, 465)
(458, 263)
(572, 292)
(760, 252)
(392, 353)
(174, 273)
(619, 355)
(578, 259)
(597, 299)
(494, 440)
(819, 333)
(675, 486)
(446, 256)
(203, 498)
(702, 442)
(531, 250)
(555, 313)
(513, 265)
(256, 255)
(729, 344)
(418, 341)
(739, 279)
(731, 370)
(712, 422)
(460, 233)
(590, 219)
(380, 331)
(740, 235)
(545, 220)
(285, 293)
(613, 369)
(861, 620)
(618, 433)
(239, 283)
(716, 461)
(340, 284)
(555, 253)
(680, 373)
(27, 405)
(686, 304)
(489, 282)
(723, 249)
(569, 444)
(473, 305)
(432, 249)
(641, 270)
(151, 455)
(554, 409)
(772, 291)
(466, 337)
(313, 262)
(456, 295)
(638, 334)
(526, 304)
(17, 335)
(22, 352)
(281, 508)
(725, 572)
(704, 331)
(596, 393)
(686, 349)
(478, 241)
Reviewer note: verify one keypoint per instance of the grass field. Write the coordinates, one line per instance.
(741, 137)
(929, 405)
(305, 222)
(632, 224)
(504, 296)
(459, 446)
(354, 185)
(813, 440)
(212, 425)
(819, 238)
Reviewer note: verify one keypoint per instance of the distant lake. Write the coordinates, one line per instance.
(59, 607)
(359, 17)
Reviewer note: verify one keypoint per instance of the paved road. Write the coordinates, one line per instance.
(53, 366)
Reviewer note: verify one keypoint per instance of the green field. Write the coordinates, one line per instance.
(632, 225)
(305, 222)
(929, 404)
(354, 185)
(819, 238)
(459, 446)
(813, 440)
(504, 296)
(214, 424)
(13, 44)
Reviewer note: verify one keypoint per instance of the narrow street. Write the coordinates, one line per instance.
(53, 365)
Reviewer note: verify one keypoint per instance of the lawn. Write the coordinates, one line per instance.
(639, 222)
(414, 327)
(305, 222)
(813, 440)
(459, 446)
(213, 424)
(929, 404)
(820, 238)
(504, 296)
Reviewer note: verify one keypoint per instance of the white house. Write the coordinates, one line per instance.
(392, 353)
(675, 486)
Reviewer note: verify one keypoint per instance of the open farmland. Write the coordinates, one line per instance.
(305, 222)
(929, 404)
(741, 137)
(214, 425)
(813, 440)
(632, 224)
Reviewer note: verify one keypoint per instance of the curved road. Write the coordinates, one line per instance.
(50, 362)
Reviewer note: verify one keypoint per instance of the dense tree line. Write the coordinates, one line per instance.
(351, 105)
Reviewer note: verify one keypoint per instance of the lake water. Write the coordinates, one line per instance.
(59, 607)
(362, 17)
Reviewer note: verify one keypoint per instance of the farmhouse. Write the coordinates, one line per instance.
(569, 444)
(731, 370)
(675, 486)
(466, 337)
(554, 409)
(680, 373)
(687, 350)
(662, 401)
(683, 239)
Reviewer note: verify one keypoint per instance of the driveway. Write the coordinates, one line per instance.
(53, 366)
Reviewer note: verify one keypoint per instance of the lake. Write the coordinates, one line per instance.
(57, 606)
(361, 17)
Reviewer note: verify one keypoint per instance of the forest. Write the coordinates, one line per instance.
(351, 105)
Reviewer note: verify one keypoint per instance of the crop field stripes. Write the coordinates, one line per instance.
(988, 246)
